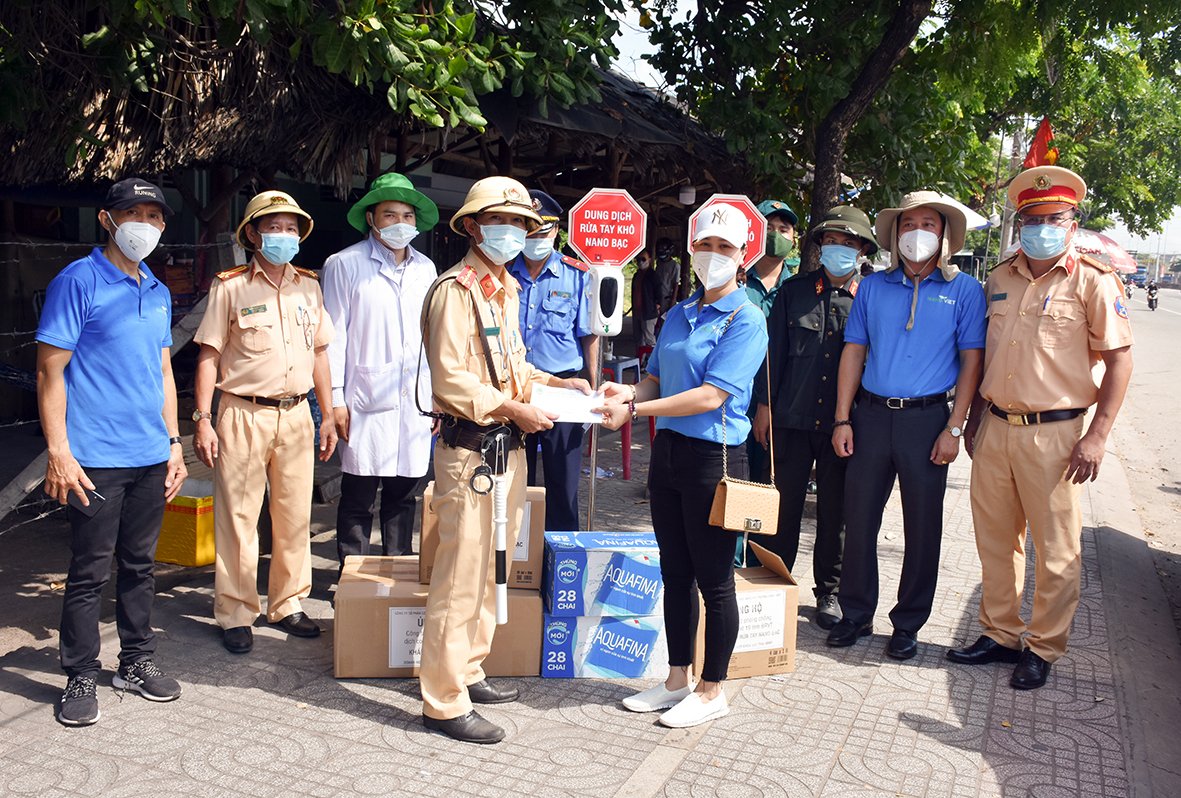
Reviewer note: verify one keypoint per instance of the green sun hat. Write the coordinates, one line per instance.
(395, 187)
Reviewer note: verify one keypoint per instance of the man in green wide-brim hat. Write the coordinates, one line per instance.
(374, 292)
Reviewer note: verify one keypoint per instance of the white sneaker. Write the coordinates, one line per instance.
(656, 698)
(694, 710)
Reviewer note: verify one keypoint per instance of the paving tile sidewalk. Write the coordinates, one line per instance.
(848, 722)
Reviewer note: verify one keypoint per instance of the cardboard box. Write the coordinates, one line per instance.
(602, 647)
(768, 603)
(602, 573)
(380, 608)
(525, 560)
(186, 534)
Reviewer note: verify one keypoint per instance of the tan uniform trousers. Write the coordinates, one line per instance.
(461, 605)
(1017, 476)
(258, 446)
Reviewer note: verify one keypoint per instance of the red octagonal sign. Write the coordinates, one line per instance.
(607, 227)
(756, 224)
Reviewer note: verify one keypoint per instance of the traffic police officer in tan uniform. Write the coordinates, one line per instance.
(264, 342)
(1052, 316)
(480, 380)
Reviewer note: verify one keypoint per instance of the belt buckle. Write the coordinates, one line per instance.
(895, 403)
(1016, 419)
(287, 402)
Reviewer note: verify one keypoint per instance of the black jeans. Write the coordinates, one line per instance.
(889, 443)
(126, 529)
(354, 514)
(561, 460)
(682, 477)
(795, 452)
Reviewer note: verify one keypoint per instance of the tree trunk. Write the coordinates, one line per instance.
(833, 133)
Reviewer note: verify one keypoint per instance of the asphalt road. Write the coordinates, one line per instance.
(1147, 435)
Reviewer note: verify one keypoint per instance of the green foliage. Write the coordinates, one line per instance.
(766, 73)
(432, 62)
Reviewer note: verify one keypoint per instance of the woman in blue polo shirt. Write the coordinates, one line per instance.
(699, 386)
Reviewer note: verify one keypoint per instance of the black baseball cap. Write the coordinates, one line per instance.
(131, 192)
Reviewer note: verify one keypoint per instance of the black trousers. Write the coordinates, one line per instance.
(682, 477)
(354, 514)
(795, 452)
(126, 529)
(561, 460)
(889, 443)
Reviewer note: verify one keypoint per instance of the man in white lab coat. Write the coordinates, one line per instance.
(374, 292)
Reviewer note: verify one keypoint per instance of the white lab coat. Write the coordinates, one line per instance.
(375, 308)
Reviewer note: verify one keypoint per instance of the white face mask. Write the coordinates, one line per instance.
(397, 236)
(538, 248)
(502, 242)
(714, 269)
(136, 240)
(918, 246)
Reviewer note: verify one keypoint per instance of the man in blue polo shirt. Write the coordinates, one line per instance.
(107, 401)
(555, 324)
(917, 330)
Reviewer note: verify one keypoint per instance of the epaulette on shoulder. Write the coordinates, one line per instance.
(234, 272)
(307, 273)
(1095, 263)
(1007, 260)
(574, 263)
(466, 277)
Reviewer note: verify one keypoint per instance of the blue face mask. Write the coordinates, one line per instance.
(538, 248)
(838, 259)
(1043, 241)
(502, 242)
(279, 248)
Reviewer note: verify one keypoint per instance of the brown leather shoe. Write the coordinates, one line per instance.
(469, 728)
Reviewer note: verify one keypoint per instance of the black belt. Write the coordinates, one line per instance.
(565, 375)
(286, 403)
(1025, 419)
(901, 403)
(460, 433)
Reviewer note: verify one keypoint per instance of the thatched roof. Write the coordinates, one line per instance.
(256, 109)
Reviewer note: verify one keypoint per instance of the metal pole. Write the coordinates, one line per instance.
(597, 374)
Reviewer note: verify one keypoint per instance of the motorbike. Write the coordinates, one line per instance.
(1128, 290)
(1152, 300)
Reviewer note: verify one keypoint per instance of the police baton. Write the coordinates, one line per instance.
(494, 454)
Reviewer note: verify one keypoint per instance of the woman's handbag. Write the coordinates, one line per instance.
(743, 506)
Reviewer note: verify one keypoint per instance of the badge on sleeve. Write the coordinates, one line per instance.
(1121, 309)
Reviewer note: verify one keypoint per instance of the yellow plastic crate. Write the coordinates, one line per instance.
(186, 536)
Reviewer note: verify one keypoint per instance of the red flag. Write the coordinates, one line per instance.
(1040, 151)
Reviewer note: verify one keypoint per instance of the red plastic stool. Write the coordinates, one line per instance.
(615, 371)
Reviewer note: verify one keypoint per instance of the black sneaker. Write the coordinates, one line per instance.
(146, 679)
(828, 611)
(79, 704)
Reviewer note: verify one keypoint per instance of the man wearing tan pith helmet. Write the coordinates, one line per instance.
(481, 383)
(264, 343)
(1053, 314)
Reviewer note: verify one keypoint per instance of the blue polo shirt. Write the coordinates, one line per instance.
(923, 360)
(116, 329)
(693, 351)
(555, 313)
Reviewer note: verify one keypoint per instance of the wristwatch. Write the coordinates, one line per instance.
(956, 432)
(200, 414)
(174, 440)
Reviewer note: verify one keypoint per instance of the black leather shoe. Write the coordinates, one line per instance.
(847, 632)
(902, 645)
(484, 693)
(238, 640)
(982, 652)
(298, 624)
(828, 611)
(469, 728)
(1031, 672)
